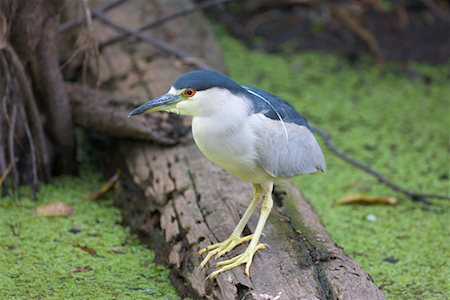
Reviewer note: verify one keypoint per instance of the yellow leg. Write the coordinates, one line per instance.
(235, 238)
(247, 257)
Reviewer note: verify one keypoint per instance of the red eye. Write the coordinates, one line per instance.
(189, 92)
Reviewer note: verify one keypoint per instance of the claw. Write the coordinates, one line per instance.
(209, 248)
(244, 258)
(233, 244)
(207, 258)
(229, 261)
(220, 249)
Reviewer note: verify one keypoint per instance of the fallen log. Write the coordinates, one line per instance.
(180, 203)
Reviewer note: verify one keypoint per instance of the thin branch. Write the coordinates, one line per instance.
(185, 57)
(5, 173)
(88, 15)
(124, 34)
(328, 140)
(164, 19)
(91, 37)
(107, 5)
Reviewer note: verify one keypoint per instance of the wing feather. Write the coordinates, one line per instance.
(299, 154)
(286, 145)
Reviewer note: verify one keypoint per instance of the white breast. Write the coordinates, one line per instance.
(228, 142)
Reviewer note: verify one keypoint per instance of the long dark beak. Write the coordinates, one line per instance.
(155, 105)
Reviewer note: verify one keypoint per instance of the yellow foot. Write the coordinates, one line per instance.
(244, 258)
(220, 249)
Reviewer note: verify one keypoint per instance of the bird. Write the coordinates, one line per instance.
(254, 135)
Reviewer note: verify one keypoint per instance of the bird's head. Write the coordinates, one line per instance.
(195, 93)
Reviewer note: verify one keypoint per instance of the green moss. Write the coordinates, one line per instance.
(395, 123)
(37, 255)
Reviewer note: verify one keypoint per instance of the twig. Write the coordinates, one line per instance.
(152, 24)
(91, 37)
(185, 57)
(77, 22)
(87, 14)
(6, 173)
(106, 187)
(328, 140)
(164, 19)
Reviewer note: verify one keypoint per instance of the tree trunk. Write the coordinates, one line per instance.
(31, 49)
(34, 36)
(180, 203)
(50, 90)
(37, 132)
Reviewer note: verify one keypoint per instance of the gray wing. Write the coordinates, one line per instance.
(289, 151)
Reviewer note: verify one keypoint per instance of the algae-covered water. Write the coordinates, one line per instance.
(395, 119)
(88, 255)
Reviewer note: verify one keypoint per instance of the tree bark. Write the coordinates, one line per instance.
(180, 202)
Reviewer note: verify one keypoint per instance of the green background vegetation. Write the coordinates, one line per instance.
(397, 123)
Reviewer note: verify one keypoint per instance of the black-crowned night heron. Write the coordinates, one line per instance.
(254, 135)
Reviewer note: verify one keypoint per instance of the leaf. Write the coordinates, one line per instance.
(54, 209)
(117, 250)
(105, 188)
(360, 198)
(75, 230)
(391, 260)
(81, 269)
(87, 249)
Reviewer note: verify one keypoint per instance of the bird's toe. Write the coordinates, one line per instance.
(244, 258)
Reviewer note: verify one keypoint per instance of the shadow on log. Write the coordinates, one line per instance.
(180, 202)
